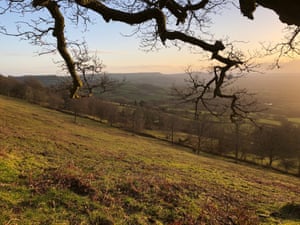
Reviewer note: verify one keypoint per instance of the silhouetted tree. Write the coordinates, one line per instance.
(126, 118)
(159, 21)
(197, 90)
(222, 138)
(7, 86)
(276, 142)
(78, 106)
(171, 123)
(90, 69)
(138, 120)
(105, 110)
(112, 113)
(30, 89)
(297, 147)
(35, 91)
(201, 127)
(266, 140)
(55, 100)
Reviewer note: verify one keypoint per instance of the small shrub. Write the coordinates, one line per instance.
(290, 211)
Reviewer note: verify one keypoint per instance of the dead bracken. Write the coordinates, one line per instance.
(55, 178)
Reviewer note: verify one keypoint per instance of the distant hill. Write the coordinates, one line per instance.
(46, 80)
(137, 86)
(280, 92)
(157, 79)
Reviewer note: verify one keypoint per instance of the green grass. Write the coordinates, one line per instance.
(294, 120)
(138, 92)
(269, 122)
(53, 171)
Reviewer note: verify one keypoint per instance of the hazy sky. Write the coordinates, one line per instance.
(123, 54)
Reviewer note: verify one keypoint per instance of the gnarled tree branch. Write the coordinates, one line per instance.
(58, 32)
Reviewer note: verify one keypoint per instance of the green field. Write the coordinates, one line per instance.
(53, 171)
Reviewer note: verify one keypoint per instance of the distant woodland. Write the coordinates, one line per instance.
(272, 141)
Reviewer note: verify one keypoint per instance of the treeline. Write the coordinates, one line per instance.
(276, 146)
(31, 90)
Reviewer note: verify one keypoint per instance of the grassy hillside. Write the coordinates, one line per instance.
(53, 171)
(136, 92)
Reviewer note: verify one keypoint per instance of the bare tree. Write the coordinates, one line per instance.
(90, 68)
(199, 89)
(201, 127)
(137, 119)
(193, 92)
(171, 123)
(157, 21)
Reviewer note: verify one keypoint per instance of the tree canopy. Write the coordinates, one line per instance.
(157, 22)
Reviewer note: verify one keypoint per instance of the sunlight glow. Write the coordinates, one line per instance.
(123, 54)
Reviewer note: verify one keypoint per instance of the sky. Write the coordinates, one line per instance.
(122, 54)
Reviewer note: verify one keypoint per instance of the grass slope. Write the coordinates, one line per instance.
(53, 171)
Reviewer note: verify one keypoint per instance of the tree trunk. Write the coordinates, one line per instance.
(298, 166)
(196, 116)
(237, 140)
(172, 134)
(270, 159)
(199, 144)
(75, 116)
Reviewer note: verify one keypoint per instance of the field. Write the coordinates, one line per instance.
(55, 171)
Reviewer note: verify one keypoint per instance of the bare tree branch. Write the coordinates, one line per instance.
(290, 47)
(166, 21)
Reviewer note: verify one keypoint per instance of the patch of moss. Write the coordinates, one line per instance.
(8, 173)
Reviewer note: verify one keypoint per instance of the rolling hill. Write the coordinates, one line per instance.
(279, 92)
(55, 171)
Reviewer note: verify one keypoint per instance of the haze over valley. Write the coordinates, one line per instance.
(278, 92)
